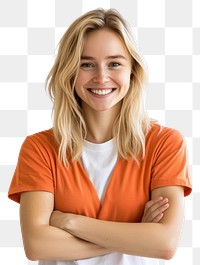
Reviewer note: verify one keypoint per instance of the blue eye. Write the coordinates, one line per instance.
(87, 65)
(114, 64)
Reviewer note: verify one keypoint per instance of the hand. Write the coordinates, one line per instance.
(153, 213)
(154, 209)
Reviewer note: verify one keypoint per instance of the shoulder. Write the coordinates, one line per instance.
(42, 143)
(165, 140)
(43, 138)
(46, 135)
(159, 133)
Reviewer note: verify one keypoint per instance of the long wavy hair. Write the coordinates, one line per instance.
(132, 123)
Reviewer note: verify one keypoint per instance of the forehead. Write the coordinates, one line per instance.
(104, 42)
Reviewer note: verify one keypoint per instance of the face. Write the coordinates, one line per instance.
(104, 73)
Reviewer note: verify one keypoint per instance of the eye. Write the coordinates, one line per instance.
(114, 64)
(87, 65)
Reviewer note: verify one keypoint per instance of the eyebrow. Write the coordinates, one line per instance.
(117, 56)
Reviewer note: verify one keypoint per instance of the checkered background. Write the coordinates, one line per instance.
(168, 34)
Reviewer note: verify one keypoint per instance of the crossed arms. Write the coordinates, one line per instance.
(53, 235)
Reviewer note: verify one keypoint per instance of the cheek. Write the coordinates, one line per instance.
(78, 83)
(81, 79)
(78, 80)
(124, 79)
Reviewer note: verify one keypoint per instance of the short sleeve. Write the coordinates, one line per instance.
(33, 171)
(170, 166)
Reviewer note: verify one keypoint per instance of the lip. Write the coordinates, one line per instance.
(100, 88)
(103, 93)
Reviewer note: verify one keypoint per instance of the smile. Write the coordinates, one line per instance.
(101, 91)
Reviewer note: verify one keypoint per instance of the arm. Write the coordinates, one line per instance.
(39, 238)
(154, 210)
(153, 213)
(44, 242)
(158, 240)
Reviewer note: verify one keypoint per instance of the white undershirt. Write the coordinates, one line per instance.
(98, 161)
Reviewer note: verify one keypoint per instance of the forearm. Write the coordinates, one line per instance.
(45, 242)
(140, 239)
(50, 243)
(157, 240)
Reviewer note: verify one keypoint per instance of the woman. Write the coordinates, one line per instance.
(83, 185)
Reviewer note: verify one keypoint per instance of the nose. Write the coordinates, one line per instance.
(101, 75)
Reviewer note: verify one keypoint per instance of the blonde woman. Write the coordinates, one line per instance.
(106, 184)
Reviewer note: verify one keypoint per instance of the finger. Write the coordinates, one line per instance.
(156, 205)
(158, 218)
(149, 208)
(159, 211)
(150, 203)
(154, 208)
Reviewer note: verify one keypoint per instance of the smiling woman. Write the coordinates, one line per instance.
(106, 184)
(84, 48)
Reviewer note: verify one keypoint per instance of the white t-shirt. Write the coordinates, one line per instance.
(98, 161)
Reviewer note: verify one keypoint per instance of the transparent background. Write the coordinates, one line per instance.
(168, 34)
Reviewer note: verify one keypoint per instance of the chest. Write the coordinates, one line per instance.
(125, 196)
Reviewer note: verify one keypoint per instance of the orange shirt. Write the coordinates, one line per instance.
(129, 188)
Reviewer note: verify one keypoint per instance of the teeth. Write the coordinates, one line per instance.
(101, 92)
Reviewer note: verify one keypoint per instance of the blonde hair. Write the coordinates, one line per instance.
(132, 123)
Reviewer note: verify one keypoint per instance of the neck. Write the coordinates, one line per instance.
(100, 124)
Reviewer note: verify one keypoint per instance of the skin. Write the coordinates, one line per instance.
(105, 65)
(49, 234)
(42, 226)
(155, 240)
